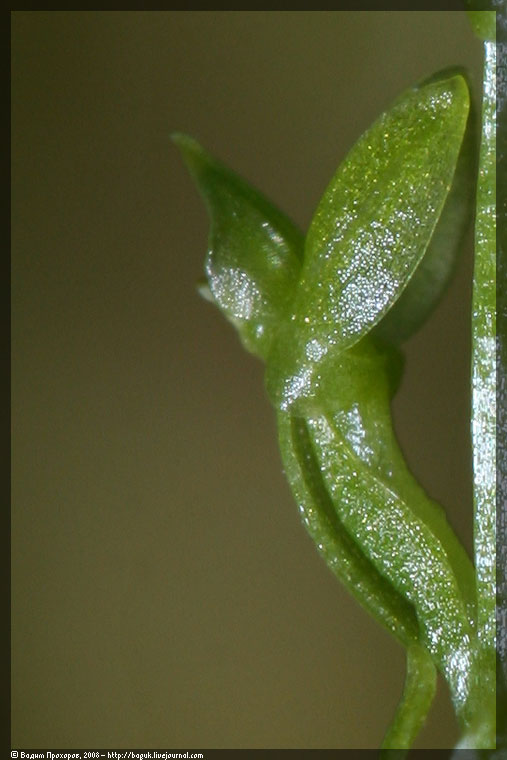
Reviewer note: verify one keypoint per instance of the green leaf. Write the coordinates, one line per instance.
(377, 216)
(254, 253)
(432, 275)
(372, 228)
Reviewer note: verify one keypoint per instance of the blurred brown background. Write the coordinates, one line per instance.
(165, 594)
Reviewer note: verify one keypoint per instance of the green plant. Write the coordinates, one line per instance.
(327, 313)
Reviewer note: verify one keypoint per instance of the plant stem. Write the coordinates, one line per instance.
(481, 732)
(418, 693)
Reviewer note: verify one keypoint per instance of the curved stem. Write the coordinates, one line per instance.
(336, 545)
(418, 693)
